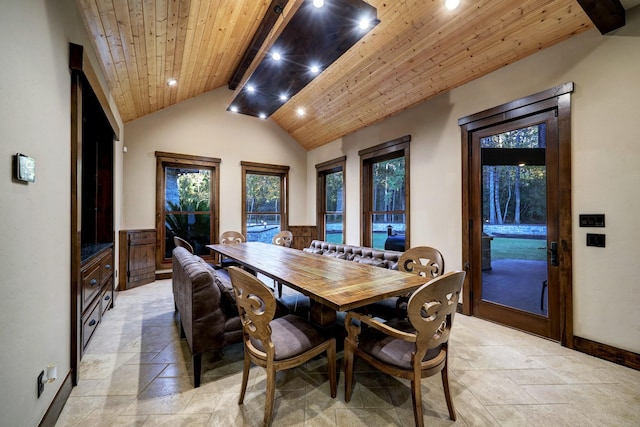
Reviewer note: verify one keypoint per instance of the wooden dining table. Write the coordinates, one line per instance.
(332, 284)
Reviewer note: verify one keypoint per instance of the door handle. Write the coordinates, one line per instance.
(554, 253)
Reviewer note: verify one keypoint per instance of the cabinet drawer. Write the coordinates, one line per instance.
(90, 284)
(90, 323)
(106, 297)
(106, 267)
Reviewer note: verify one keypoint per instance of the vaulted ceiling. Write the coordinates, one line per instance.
(418, 50)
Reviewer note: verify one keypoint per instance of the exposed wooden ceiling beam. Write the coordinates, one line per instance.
(275, 9)
(606, 15)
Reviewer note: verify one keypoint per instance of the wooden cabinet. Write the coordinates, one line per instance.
(137, 258)
(96, 291)
(303, 235)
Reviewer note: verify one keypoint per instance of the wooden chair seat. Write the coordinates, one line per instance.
(291, 336)
(394, 351)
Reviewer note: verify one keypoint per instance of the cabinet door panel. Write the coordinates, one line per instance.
(140, 257)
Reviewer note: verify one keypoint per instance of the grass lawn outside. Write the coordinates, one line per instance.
(514, 248)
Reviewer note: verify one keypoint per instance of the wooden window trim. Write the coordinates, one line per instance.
(322, 170)
(163, 159)
(385, 151)
(266, 169)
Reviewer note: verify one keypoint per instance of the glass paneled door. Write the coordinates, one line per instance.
(515, 203)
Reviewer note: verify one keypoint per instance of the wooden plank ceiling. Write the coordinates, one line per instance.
(419, 50)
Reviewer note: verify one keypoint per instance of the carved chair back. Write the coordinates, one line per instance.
(283, 238)
(422, 260)
(232, 237)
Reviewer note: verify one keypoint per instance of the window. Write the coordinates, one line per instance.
(330, 200)
(186, 203)
(385, 194)
(264, 200)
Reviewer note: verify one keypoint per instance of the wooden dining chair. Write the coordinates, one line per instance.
(412, 348)
(283, 238)
(275, 344)
(180, 242)
(424, 261)
(420, 260)
(230, 238)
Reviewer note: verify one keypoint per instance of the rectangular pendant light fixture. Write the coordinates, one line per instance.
(311, 36)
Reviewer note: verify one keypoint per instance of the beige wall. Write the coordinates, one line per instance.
(35, 228)
(605, 172)
(202, 126)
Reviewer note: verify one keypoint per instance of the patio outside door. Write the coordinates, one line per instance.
(513, 199)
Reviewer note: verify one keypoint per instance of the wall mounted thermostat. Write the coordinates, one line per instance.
(25, 168)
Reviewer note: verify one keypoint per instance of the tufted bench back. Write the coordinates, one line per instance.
(361, 254)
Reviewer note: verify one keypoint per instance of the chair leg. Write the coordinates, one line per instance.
(270, 395)
(348, 371)
(447, 393)
(197, 366)
(416, 394)
(279, 290)
(544, 286)
(331, 360)
(245, 377)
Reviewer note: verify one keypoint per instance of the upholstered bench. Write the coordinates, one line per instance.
(361, 254)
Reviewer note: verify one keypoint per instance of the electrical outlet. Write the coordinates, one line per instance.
(40, 384)
(597, 240)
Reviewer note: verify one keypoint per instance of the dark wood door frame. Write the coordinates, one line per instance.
(558, 99)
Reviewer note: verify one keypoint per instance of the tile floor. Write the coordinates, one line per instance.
(137, 372)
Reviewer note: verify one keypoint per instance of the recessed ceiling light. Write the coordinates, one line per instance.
(251, 89)
(262, 116)
(283, 97)
(451, 4)
(318, 3)
(364, 23)
(300, 112)
(233, 109)
(172, 82)
(315, 69)
(276, 56)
